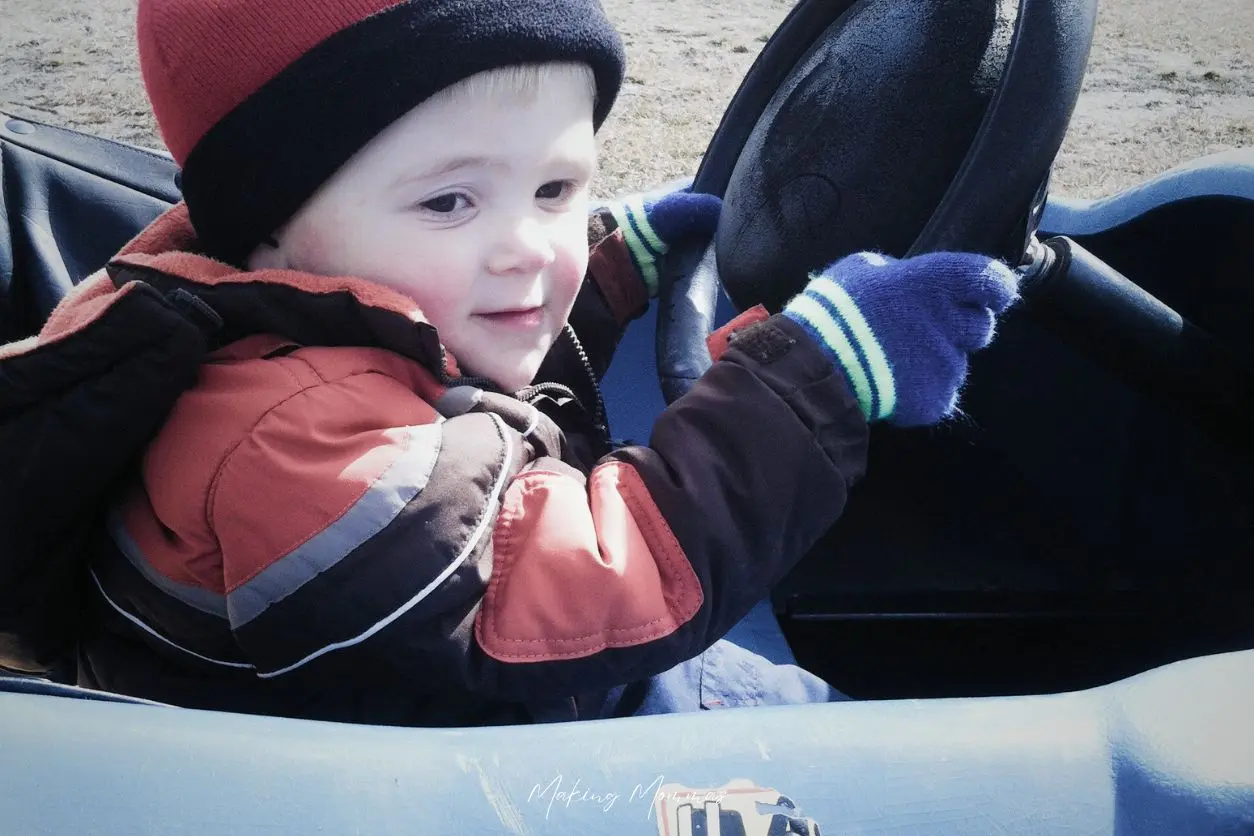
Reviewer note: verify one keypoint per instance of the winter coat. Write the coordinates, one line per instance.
(273, 492)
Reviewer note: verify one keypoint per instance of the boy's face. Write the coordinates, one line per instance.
(475, 206)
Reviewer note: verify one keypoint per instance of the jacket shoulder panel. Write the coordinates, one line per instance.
(309, 459)
(243, 402)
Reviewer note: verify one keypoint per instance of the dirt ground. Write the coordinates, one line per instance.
(1168, 81)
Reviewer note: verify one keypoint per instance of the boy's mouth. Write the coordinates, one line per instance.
(514, 317)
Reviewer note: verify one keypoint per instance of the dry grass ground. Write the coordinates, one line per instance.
(1168, 82)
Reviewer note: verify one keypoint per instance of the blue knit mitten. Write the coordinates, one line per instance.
(901, 330)
(651, 226)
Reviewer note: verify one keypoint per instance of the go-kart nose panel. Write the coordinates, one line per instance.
(1167, 752)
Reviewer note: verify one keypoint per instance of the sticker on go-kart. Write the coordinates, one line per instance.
(738, 808)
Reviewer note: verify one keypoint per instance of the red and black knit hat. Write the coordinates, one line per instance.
(261, 101)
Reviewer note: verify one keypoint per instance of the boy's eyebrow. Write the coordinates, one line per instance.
(471, 161)
(451, 164)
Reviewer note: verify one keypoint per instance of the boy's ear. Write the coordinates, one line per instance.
(268, 256)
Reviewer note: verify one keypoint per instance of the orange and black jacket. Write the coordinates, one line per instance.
(290, 501)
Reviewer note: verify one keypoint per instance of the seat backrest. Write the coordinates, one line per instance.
(68, 201)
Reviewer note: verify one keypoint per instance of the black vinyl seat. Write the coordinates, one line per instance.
(70, 201)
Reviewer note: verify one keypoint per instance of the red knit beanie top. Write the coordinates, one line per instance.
(260, 101)
(201, 58)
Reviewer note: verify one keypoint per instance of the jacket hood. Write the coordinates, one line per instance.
(304, 308)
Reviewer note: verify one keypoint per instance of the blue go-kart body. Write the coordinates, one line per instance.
(1044, 611)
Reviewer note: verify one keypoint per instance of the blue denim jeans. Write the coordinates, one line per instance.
(751, 665)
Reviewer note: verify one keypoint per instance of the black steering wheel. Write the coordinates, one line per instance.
(901, 127)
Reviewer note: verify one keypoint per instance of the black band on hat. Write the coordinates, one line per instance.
(257, 166)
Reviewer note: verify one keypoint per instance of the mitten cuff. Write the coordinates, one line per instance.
(833, 319)
(644, 244)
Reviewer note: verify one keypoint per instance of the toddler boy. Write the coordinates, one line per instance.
(389, 495)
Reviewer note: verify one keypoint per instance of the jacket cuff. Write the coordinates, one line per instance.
(611, 267)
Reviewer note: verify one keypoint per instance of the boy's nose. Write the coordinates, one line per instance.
(523, 247)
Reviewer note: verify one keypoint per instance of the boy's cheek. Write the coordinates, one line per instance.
(569, 278)
(576, 244)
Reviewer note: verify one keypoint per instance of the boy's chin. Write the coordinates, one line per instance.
(508, 379)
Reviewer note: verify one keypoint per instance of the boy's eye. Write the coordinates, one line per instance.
(556, 190)
(445, 204)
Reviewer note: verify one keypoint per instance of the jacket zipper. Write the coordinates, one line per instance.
(599, 417)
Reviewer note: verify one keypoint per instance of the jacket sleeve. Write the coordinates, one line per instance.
(460, 553)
